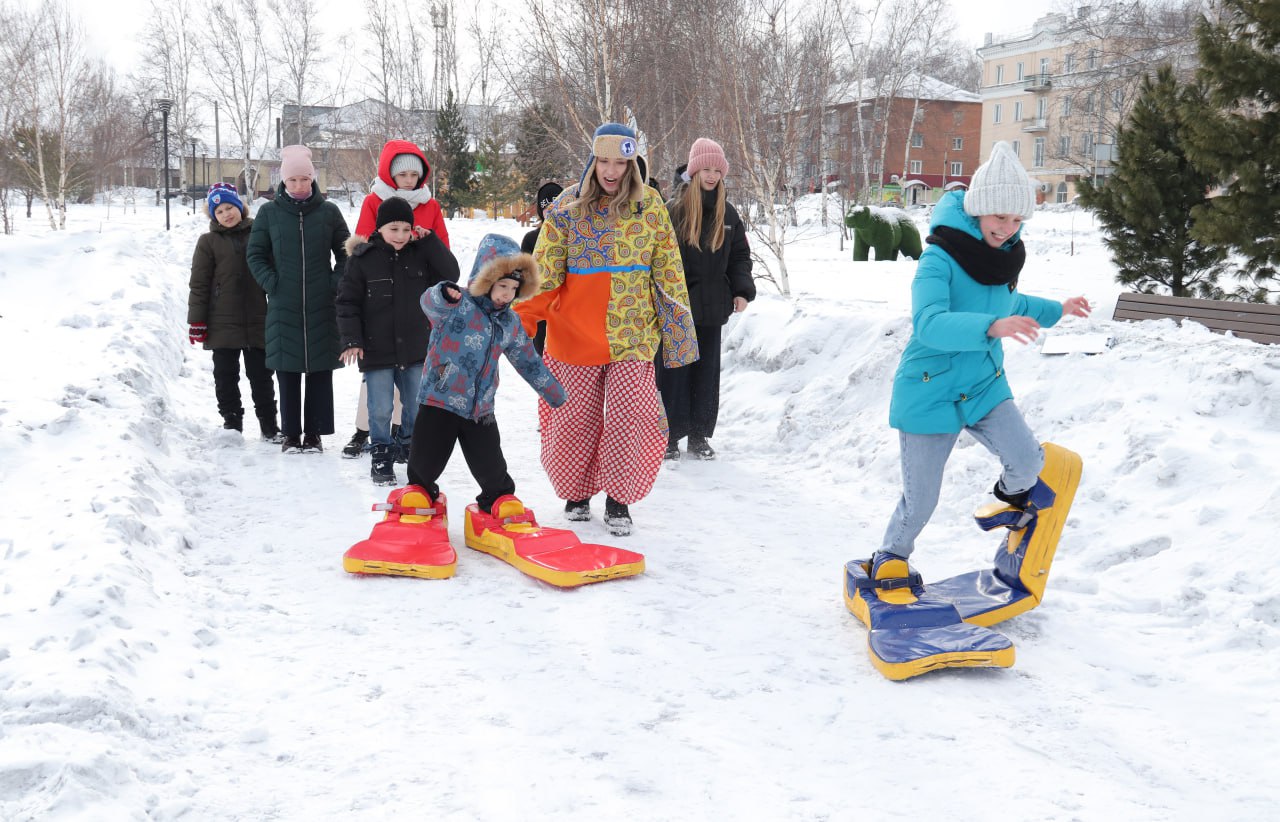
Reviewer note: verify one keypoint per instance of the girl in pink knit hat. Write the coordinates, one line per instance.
(717, 269)
(296, 254)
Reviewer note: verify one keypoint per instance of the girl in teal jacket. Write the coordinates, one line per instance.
(964, 303)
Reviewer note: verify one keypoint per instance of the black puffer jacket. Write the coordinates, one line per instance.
(715, 277)
(378, 296)
(224, 296)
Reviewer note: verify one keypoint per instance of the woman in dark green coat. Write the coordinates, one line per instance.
(296, 254)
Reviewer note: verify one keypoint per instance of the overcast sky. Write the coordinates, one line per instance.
(115, 26)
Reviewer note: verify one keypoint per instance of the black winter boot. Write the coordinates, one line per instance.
(577, 510)
(355, 447)
(700, 448)
(270, 429)
(311, 444)
(381, 468)
(673, 450)
(617, 517)
(233, 422)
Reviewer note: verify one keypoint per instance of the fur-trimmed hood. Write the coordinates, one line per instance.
(497, 268)
(496, 257)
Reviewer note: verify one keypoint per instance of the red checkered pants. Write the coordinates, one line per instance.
(609, 436)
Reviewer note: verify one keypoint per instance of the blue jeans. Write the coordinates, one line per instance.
(1003, 432)
(381, 384)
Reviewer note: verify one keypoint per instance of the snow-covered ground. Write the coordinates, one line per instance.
(178, 638)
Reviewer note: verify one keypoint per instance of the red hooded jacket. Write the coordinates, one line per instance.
(427, 215)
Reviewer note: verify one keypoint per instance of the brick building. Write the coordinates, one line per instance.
(916, 143)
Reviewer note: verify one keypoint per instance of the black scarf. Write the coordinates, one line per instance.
(987, 265)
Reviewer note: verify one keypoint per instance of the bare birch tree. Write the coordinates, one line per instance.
(53, 83)
(773, 82)
(301, 50)
(18, 39)
(233, 54)
(169, 65)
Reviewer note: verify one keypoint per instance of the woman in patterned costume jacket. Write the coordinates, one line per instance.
(613, 289)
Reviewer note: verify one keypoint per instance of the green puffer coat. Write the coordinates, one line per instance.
(223, 294)
(289, 256)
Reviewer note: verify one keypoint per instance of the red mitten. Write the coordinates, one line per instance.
(198, 333)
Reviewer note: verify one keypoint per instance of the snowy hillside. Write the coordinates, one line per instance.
(178, 639)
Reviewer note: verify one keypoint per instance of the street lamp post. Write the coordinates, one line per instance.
(164, 104)
(193, 175)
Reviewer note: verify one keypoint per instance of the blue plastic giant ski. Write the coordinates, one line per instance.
(916, 628)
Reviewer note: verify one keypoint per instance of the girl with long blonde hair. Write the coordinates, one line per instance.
(716, 258)
(613, 297)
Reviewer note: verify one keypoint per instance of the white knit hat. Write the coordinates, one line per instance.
(1000, 186)
(406, 162)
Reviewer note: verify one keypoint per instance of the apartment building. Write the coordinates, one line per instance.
(1060, 92)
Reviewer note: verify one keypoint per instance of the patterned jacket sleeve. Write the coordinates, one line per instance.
(521, 354)
(434, 305)
(551, 255)
(671, 294)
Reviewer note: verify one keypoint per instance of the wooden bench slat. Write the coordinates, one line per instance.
(1254, 321)
(1189, 303)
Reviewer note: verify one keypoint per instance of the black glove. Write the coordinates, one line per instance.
(450, 292)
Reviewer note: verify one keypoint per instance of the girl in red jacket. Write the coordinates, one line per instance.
(402, 172)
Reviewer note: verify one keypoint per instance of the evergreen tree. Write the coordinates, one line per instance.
(539, 154)
(1237, 138)
(497, 182)
(1146, 206)
(453, 146)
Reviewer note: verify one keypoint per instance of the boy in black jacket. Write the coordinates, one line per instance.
(380, 323)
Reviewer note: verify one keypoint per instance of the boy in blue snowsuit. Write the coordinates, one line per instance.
(470, 330)
(964, 302)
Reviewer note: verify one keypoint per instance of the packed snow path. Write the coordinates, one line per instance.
(177, 637)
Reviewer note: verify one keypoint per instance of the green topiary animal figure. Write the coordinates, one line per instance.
(887, 230)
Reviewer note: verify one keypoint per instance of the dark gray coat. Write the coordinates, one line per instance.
(224, 296)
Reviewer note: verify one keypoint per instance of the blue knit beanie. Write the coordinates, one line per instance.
(220, 193)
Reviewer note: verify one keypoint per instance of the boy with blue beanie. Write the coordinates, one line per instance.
(227, 311)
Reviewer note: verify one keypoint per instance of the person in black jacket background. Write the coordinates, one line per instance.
(717, 269)
(381, 326)
(227, 312)
(547, 195)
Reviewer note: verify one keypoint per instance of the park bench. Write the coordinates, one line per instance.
(1252, 321)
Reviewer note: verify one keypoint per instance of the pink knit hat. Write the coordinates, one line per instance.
(295, 161)
(707, 154)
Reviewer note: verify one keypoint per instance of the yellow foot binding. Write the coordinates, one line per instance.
(911, 632)
(1016, 582)
(511, 533)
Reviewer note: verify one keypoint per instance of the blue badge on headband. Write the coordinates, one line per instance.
(628, 147)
